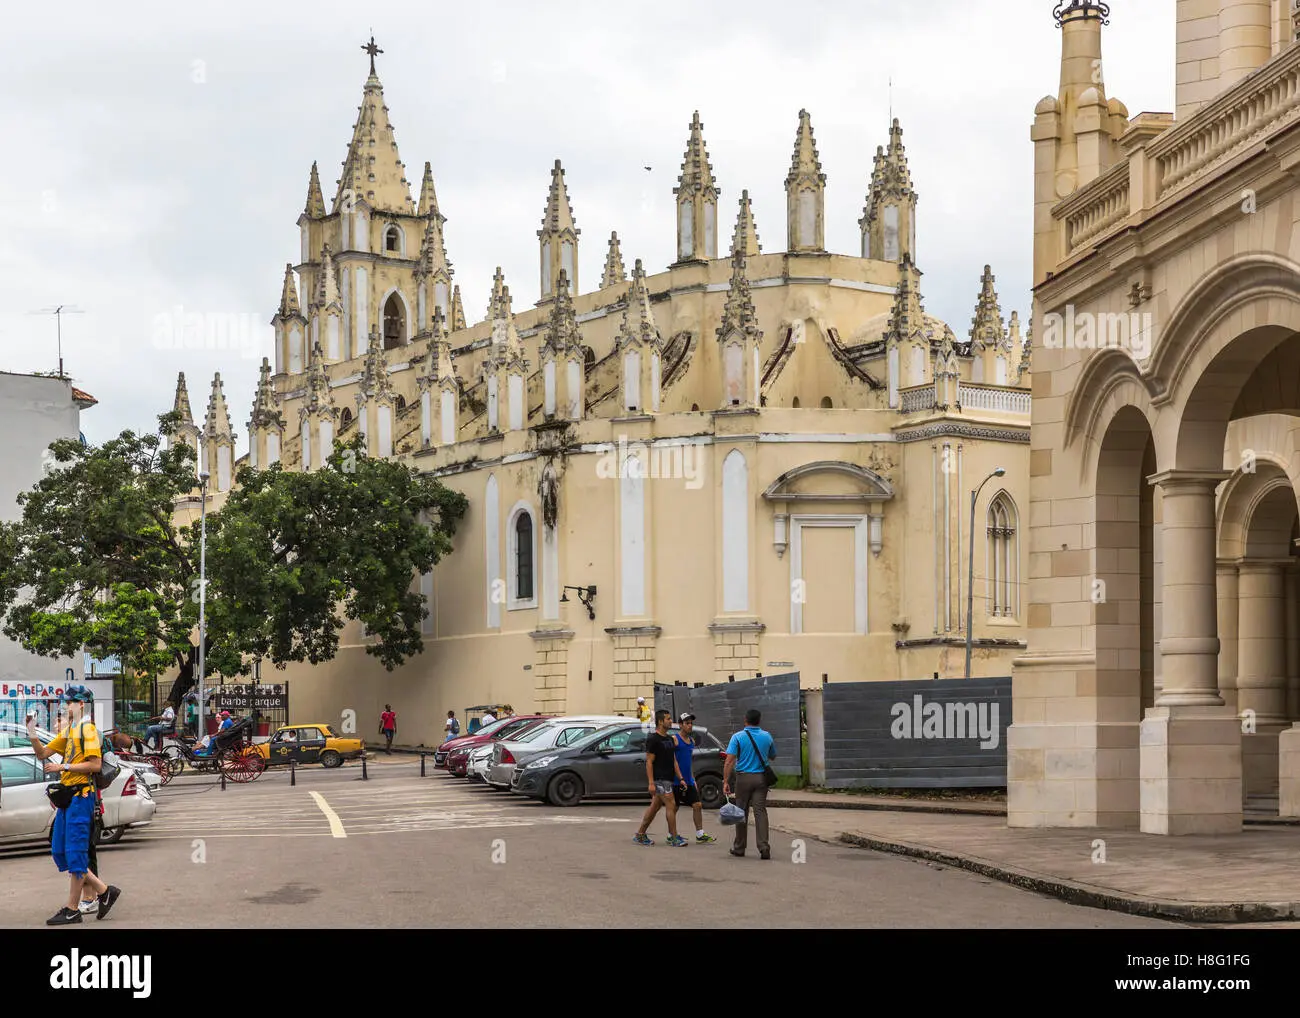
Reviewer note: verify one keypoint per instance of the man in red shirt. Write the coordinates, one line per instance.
(388, 726)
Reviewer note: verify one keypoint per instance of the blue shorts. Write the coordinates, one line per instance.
(71, 841)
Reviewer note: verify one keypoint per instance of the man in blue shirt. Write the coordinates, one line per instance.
(748, 754)
(686, 792)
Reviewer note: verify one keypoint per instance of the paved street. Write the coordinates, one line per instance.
(400, 850)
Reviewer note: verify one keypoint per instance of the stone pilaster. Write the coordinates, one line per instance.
(1226, 588)
(1293, 641)
(736, 650)
(1190, 742)
(551, 669)
(1261, 670)
(634, 665)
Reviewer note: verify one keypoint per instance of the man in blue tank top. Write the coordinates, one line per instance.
(687, 793)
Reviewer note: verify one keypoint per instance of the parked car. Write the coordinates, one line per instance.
(26, 814)
(455, 754)
(523, 746)
(14, 736)
(309, 744)
(610, 764)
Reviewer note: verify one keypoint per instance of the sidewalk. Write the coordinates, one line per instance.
(1249, 877)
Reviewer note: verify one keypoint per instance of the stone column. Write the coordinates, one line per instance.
(1245, 39)
(1288, 804)
(1226, 587)
(1292, 581)
(1261, 670)
(1190, 742)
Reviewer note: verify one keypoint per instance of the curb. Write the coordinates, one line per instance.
(891, 807)
(1079, 894)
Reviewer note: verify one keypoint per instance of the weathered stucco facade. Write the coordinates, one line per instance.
(761, 460)
(1163, 665)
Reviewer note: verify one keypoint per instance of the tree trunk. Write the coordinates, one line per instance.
(185, 681)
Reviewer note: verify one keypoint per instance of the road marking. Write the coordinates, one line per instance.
(336, 825)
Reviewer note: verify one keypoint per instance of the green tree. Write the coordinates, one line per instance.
(99, 560)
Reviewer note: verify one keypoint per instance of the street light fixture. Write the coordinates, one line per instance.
(203, 591)
(970, 572)
(585, 594)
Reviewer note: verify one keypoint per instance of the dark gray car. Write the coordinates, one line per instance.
(610, 764)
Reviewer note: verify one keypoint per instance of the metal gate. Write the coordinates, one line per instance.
(720, 707)
(267, 705)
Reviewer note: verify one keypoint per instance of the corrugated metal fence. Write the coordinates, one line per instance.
(720, 707)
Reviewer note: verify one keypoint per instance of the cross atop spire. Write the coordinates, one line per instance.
(372, 49)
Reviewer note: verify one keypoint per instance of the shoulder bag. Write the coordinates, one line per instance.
(769, 775)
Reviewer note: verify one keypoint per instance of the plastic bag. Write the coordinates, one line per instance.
(730, 814)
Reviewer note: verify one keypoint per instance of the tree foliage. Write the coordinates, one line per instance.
(101, 559)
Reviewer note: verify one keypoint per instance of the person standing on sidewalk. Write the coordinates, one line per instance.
(74, 822)
(748, 754)
(686, 792)
(388, 727)
(452, 726)
(662, 774)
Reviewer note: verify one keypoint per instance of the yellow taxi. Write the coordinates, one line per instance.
(309, 744)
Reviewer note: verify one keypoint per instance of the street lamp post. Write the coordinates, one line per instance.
(970, 572)
(203, 591)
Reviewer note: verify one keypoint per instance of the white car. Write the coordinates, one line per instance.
(556, 732)
(14, 736)
(480, 759)
(26, 814)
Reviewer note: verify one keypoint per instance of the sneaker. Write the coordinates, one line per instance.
(63, 917)
(677, 841)
(735, 853)
(642, 839)
(765, 855)
(107, 900)
(87, 907)
(704, 839)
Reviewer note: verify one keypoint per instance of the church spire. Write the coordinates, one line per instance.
(500, 296)
(373, 171)
(888, 222)
(990, 346)
(805, 190)
(181, 404)
(457, 310)
(738, 336)
(614, 271)
(558, 237)
(289, 295)
(429, 197)
(697, 200)
(315, 207)
(218, 438)
(745, 237)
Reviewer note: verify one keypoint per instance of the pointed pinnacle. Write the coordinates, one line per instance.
(907, 319)
(638, 325)
(182, 401)
(562, 328)
(745, 236)
(697, 174)
(559, 214)
(805, 166)
(429, 197)
(327, 287)
(614, 271)
(986, 326)
(289, 295)
(457, 310)
(315, 206)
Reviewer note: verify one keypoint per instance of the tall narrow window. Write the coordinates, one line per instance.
(522, 539)
(394, 323)
(1002, 581)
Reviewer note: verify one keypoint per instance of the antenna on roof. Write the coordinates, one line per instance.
(58, 312)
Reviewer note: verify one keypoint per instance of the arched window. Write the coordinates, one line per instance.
(588, 358)
(394, 323)
(393, 240)
(345, 419)
(401, 403)
(795, 403)
(522, 558)
(1003, 565)
(695, 408)
(826, 403)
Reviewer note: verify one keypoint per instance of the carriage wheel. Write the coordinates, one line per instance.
(240, 765)
(162, 765)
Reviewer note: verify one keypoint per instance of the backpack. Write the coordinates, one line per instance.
(455, 726)
(109, 767)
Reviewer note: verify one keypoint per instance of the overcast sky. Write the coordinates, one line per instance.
(157, 156)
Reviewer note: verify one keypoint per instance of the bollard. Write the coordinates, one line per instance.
(364, 776)
(422, 756)
(223, 781)
(293, 773)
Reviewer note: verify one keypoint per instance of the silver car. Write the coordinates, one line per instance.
(27, 816)
(558, 732)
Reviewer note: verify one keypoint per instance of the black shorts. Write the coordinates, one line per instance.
(688, 796)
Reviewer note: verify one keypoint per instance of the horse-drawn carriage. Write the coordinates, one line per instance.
(230, 752)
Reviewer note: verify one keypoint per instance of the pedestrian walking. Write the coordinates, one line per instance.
(388, 727)
(642, 711)
(686, 792)
(452, 726)
(748, 754)
(75, 802)
(662, 774)
(89, 902)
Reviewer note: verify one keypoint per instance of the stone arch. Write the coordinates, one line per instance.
(1002, 556)
(394, 240)
(1238, 500)
(395, 301)
(1116, 398)
(1103, 373)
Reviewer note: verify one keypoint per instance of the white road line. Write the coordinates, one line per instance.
(336, 825)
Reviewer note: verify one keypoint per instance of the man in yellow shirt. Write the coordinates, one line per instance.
(79, 746)
(642, 711)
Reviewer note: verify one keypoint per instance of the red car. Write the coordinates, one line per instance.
(453, 756)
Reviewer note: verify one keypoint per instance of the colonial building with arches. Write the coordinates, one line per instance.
(1162, 680)
(757, 460)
